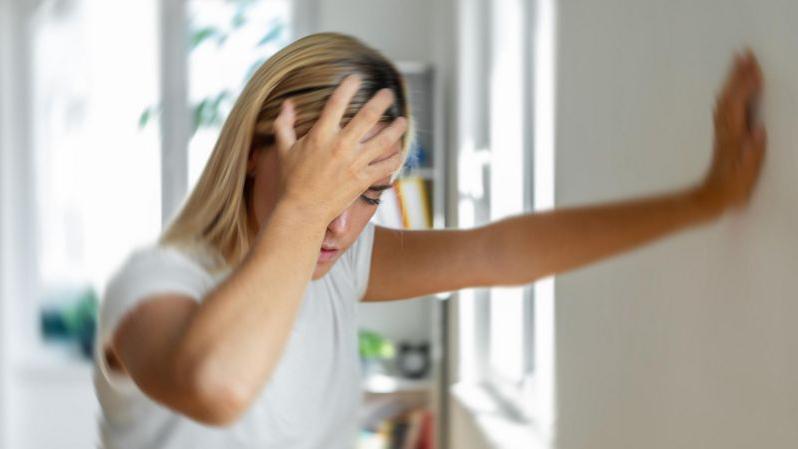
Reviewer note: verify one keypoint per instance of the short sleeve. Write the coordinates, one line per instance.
(146, 272)
(360, 259)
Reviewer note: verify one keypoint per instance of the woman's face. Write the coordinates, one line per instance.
(341, 232)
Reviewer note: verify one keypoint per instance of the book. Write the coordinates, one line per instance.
(415, 421)
(386, 433)
(427, 439)
(371, 440)
(414, 202)
(411, 428)
(399, 433)
(406, 205)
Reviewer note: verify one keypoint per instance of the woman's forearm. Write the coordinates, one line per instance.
(237, 335)
(525, 248)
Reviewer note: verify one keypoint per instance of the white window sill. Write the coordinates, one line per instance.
(500, 429)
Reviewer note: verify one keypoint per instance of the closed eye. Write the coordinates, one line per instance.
(377, 189)
(370, 201)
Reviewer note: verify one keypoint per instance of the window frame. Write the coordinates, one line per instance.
(513, 393)
(530, 398)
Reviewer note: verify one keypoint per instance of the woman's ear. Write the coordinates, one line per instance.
(252, 161)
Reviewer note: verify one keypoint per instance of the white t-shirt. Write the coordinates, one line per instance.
(312, 398)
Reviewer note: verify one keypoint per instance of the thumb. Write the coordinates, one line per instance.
(753, 157)
(760, 146)
(284, 127)
(754, 151)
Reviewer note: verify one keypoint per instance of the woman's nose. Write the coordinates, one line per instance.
(340, 224)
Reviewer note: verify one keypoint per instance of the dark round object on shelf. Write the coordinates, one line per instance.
(413, 360)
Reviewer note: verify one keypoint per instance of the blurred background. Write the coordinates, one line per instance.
(109, 110)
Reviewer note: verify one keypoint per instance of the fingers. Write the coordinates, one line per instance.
(738, 99)
(383, 168)
(387, 137)
(753, 158)
(758, 144)
(368, 115)
(284, 127)
(336, 105)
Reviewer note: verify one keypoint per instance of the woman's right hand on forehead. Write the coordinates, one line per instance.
(325, 170)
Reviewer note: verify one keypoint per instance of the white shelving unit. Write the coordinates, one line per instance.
(421, 318)
(384, 384)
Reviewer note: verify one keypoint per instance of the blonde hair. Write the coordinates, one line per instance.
(215, 215)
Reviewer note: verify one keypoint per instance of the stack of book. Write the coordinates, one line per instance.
(413, 429)
(406, 205)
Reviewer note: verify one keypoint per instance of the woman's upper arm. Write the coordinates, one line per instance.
(144, 347)
(412, 263)
(143, 342)
(145, 306)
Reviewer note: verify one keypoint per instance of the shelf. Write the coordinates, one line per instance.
(382, 384)
(424, 172)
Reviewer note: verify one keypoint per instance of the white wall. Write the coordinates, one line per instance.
(690, 342)
(5, 15)
(400, 29)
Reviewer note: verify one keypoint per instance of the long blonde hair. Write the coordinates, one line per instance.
(215, 215)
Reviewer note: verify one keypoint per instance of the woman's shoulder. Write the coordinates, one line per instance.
(198, 254)
(158, 256)
(164, 267)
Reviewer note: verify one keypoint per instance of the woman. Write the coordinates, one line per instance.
(238, 329)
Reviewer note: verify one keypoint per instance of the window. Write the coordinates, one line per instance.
(228, 41)
(506, 356)
(97, 175)
(506, 168)
(100, 181)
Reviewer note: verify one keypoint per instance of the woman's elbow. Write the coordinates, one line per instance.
(218, 404)
(212, 398)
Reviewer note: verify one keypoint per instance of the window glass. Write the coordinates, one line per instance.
(507, 318)
(94, 69)
(228, 40)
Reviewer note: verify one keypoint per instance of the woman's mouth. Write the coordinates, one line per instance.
(327, 253)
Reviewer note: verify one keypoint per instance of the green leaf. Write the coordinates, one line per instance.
(144, 118)
(240, 17)
(271, 35)
(201, 35)
(374, 346)
(147, 115)
(208, 112)
(221, 97)
(198, 115)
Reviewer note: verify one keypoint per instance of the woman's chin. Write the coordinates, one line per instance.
(321, 269)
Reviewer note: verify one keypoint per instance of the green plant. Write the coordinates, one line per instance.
(374, 346)
(209, 112)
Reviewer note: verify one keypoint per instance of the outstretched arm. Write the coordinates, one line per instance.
(521, 249)
(528, 247)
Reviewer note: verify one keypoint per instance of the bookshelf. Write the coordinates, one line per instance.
(396, 408)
